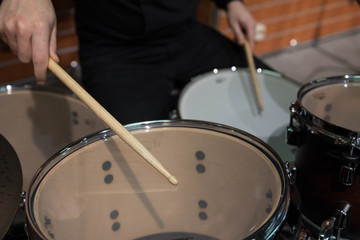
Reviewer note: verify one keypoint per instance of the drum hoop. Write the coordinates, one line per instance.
(265, 232)
(302, 115)
(32, 86)
(41, 173)
(235, 69)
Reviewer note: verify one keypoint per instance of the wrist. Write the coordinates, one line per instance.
(229, 3)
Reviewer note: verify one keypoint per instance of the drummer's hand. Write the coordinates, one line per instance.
(240, 19)
(29, 28)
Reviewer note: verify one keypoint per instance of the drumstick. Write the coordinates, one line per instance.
(103, 114)
(253, 73)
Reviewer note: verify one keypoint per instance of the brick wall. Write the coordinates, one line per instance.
(285, 20)
(295, 21)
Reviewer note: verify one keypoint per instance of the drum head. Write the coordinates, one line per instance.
(230, 187)
(40, 120)
(227, 97)
(334, 100)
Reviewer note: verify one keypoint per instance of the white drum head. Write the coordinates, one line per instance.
(227, 97)
(38, 121)
(230, 187)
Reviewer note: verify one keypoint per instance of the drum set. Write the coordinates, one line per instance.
(289, 172)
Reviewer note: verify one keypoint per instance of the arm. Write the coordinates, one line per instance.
(240, 20)
(29, 28)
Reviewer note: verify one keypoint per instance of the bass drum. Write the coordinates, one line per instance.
(226, 96)
(325, 126)
(231, 186)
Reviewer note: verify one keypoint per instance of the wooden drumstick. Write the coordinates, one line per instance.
(253, 73)
(103, 114)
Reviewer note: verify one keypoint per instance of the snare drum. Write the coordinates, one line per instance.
(327, 133)
(231, 186)
(38, 120)
(226, 96)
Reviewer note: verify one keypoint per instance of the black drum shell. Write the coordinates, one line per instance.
(325, 129)
(317, 179)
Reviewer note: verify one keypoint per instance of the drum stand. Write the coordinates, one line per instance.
(17, 230)
(331, 228)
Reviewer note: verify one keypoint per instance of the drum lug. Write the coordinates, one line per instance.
(347, 175)
(305, 235)
(292, 135)
(22, 199)
(350, 162)
(292, 131)
(291, 172)
(173, 115)
(331, 228)
(326, 230)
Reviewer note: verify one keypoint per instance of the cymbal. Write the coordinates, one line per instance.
(10, 185)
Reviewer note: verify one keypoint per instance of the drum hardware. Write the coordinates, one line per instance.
(316, 126)
(305, 235)
(306, 123)
(292, 228)
(292, 131)
(174, 114)
(326, 230)
(331, 228)
(350, 162)
(17, 229)
(351, 159)
(291, 172)
(326, 131)
(22, 199)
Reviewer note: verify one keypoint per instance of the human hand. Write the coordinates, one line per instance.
(241, 21)
(29, 28)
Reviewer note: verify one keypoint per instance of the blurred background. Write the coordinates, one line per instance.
(304, 39)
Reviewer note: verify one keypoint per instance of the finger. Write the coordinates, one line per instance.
(238, 34)
(24, 44)
(250, 34)
(40, 57)
(3, 38)
(10, 37)
(240, 38)
(53, 46)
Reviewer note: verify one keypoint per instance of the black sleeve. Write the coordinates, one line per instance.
(223, 3)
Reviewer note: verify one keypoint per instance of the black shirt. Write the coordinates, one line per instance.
(131, 20)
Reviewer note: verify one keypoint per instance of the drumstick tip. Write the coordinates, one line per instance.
(261, 108)
(173, 180)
